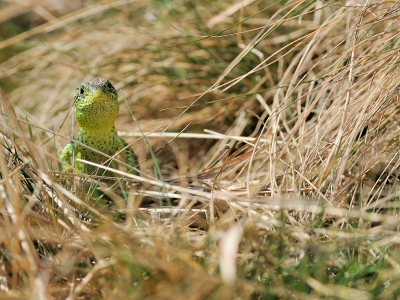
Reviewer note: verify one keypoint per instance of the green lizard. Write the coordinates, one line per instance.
(96, 104)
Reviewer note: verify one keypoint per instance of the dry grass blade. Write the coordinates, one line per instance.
(291, 192)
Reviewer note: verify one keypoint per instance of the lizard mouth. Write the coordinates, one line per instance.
(98, 99)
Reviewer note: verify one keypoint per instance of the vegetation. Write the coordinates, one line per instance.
(287, 110)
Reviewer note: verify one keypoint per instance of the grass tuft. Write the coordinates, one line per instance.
(267, 135)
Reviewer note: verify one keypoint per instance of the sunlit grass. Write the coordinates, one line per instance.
(293, 193)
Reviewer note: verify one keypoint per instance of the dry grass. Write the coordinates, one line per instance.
(306, 207)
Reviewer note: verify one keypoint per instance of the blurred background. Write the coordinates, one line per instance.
(154, 52)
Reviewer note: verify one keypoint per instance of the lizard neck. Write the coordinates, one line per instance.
(97, 134)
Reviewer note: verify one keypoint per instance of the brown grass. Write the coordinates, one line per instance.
(306, 206)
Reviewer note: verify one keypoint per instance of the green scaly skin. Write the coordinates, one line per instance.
(96, 104)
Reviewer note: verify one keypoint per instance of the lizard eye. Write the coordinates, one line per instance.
(109, 85)
(81, 91)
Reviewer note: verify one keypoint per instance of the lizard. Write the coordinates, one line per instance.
(96, 109)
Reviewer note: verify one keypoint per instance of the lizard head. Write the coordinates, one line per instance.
(96, 104)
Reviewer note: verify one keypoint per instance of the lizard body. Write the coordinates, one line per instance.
(97, 107)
